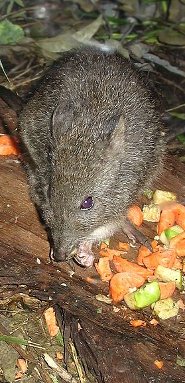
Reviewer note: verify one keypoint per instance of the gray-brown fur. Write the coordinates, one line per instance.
(92, 128)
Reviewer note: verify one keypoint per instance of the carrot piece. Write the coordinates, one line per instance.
(179, 215)
(171, 213)
(159, 363)
(18, 376)
(8, 146)
(142, 253)
(123, 265)
(180, 248)
(124, 246)
(176, 239)
(51, 323)
(155, 245)
(164, 258)
(22, 365)
(121, 282)
(59, 355)
(167, 219)
(181, 304)
(183, 267)
(135, 215)
(137, 323)
(109, 253)
(103, 246)
(103, 269)
(167, 289)
(177, 264)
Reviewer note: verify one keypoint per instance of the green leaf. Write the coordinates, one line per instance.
(59, 339)
(19, 2)
(171, 37)
(10, 33)
(13, 340)
(181, 116)
(116, 21)
(11, 5)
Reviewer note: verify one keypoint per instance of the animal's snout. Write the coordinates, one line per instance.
(61, 255)
(58, 255)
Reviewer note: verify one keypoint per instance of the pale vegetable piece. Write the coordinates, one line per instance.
(166, 274)
(161, 196)
(165, 308)
(130, 301)
(103, 298)
(173, 231)
(164, 239)
(151, 213)
(170, 233)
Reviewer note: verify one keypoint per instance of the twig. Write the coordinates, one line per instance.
(77, 364)
(175, 107)
(61, 371)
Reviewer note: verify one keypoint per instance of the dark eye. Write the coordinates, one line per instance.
(87, 203)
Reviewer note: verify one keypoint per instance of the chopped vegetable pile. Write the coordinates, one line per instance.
(155, 275)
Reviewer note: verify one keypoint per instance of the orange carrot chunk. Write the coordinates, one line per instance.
(179, 215)
(167, 289)
(159, 363)
(180, 248)
(137, 323)
(8, 146)
(164, 258)
(142, 253)
(167, 219)
(155, 246)
(122, 265)
(181, 304)
(177, 264)
(135, 215)
(51, 323)
(22, 365)
(174, 241)
(121, 282)
(103, 269)
(109, 253)
(103, 246)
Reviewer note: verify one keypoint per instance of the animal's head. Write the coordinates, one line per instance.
(85, 178)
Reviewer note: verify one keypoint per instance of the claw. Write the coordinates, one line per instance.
(135, 235)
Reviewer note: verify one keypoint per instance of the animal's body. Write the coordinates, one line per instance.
(92, 131)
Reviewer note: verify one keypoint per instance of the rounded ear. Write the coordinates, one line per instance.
(62, 118)
(112, 138)
(113, 127)
(110, 126)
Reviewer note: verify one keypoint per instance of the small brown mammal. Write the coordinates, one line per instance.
(92, 130)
